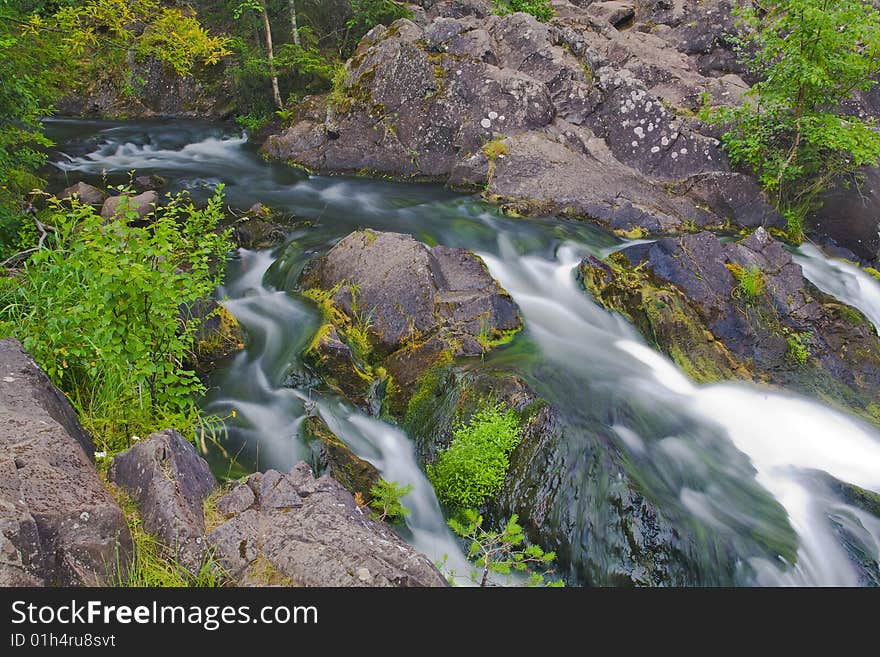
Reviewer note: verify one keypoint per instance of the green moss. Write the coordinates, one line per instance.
(226, 338)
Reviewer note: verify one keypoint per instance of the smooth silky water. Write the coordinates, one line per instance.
(739, 460)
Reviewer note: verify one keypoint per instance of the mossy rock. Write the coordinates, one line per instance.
(356, 475)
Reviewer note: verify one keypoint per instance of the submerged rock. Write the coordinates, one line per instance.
(293, 529)
(742, 310)
(59, 524)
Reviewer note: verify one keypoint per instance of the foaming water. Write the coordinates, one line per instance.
(842, 280)
(785, 437)
(720, 456)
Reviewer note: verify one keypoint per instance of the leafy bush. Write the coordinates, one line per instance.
(540, 9)
(501, 552)
(793, 130)
(367, 14)
(386, 500)
(101, 312)
(473, 467)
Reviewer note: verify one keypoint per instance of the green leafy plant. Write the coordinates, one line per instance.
(793, 130)
(367, 14)
(101, 310)
(798, 345)
(540, 9)
(503, 552)
(473, 467)
(386, 500)
(751, 282)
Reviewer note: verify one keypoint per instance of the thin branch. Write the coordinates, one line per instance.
(44, 231)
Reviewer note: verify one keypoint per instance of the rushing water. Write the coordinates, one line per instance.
(725, 456)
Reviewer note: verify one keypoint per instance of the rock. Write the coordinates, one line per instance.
(317, 537)
(687, 297)
(218, 336)
(393, 305)
(59, 524)
(142, 204)
(611, 112)
(146, 183)
(85, 193)
(169, 481)
(334, 456)
(850, 216)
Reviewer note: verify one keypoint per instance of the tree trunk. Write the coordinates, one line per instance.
(270, 55)
(293, 26)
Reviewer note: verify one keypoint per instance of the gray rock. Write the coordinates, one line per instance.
(169, 481)
(59, 524)
(143, 204)
(86, 193)
(850, 216)
(409, 290)
(323, 540)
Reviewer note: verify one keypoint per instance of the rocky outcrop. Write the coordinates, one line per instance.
(169, 481)
(850, 216)
(59, 524)
(149, 88)
(394, 307)
(293, 529)
(742, 310)
(572, 117)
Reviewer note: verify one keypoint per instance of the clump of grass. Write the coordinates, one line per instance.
(751, 281)
(495, 149)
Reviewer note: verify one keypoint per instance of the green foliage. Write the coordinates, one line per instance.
(798, 345)
(367, 14)
(502, 552)
(101, 311)
(473, 467)
(386, 500)
(540, 9)
(751, 281)
(28, 71)
(154, 565)
(495, 149)
(172, 36)
(793, 131)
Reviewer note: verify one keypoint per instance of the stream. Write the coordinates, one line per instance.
(740, 460)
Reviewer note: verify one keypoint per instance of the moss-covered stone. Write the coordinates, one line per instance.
(356, 475)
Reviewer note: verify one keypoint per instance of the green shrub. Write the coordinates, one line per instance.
(794, 130)
(386, 500)
(540, 9)
(501, 552)
(101, 311)
(473, 467)
(799, 346)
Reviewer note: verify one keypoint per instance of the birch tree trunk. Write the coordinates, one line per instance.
(293, 26)
(270, 55)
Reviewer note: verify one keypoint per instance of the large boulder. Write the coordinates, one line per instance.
(391, 302)
(742, 310)
(169, 481)
(850, 216)
(59, 524)
(293, 529)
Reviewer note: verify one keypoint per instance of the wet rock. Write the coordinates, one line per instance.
(142, 205)
(850, 216)
(218, 336)
(86, 193)
(743, 310)
(169, 481)
(319, 537)
(334, 456)
(59, 524)
(147, 183)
